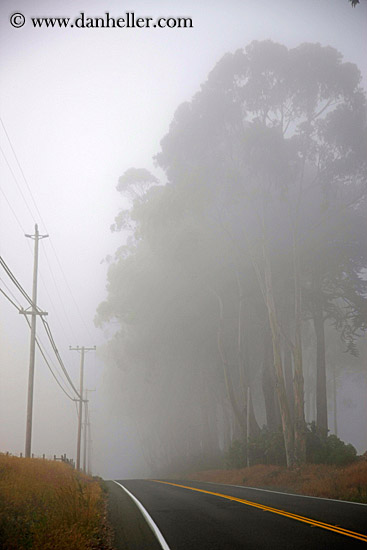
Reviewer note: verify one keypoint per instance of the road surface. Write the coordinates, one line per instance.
(203, 516)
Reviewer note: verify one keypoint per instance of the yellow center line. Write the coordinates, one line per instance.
(303, 519)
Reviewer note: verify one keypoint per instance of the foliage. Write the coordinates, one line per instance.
(320, 480)
(45, 505)
(328, 450)
(268, 448)
(265, 177)
(235, 457)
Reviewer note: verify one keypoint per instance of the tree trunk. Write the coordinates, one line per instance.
(321, 397)
(226, 425)
(335, 405)
(298, 380)
(273, 419)
(288, 375)
(266, 286)
(280, 385)
(227, 378)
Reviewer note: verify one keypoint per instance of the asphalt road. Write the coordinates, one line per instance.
(192, 520)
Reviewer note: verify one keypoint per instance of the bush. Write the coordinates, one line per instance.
(327, 450)
(268, 448)
(235, 457)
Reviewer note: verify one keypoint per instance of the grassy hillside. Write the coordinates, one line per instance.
(345, 483)
(46, 505)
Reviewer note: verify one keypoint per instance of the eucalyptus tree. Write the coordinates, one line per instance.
(264, 129)
(261, 166)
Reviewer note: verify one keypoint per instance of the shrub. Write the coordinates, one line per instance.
(268, 448)
(327, 450)
(235, 457)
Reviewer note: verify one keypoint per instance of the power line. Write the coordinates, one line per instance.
(17, 184)
(58, 293)
(16, 283)
(41, 218)
(42, 279)
(48, 365)
(21, 171)
(43, 353)
(44, 322)
(56, 351)
(13, 211)
(71, 294)
(10, 292)
(10, 300)
(46, 256)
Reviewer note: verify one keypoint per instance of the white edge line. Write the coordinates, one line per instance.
(280, 493)
(147, 517)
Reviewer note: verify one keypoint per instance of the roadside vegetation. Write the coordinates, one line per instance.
(333, 469)
(46, 505)
(320, 480)
(267, 447)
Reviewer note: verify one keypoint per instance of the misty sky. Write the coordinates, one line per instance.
(81, 106)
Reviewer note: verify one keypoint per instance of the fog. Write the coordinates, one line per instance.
(81, 107)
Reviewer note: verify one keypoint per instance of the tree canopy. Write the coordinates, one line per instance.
(256, 232)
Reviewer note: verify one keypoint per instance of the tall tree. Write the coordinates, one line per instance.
(260, 165)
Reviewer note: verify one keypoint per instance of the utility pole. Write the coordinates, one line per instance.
(248, 426)
(34, 312)
(89, 468)
(80, 417)
(86, 427)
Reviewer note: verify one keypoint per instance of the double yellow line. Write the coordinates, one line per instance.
(303, 519)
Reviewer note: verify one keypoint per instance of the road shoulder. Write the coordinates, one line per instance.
(130, 529)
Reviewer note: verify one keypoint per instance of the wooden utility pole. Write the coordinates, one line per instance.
(248, 426)
(86, 427)
(80, 417)
(34, 312)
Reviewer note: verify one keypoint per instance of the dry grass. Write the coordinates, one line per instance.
(345, 483)
(45, 505)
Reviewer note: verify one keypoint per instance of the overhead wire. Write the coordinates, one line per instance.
(56, 351)
(12, 209)
(10, 292)
(16, 283)
(10, 300)
(42, 351)
(41, 218)
(44, 322)
(41, 277)
(45, 253)
(17, 184)
(48, 365)
(59, 296)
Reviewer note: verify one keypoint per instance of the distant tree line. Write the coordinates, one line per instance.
(233, 267)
